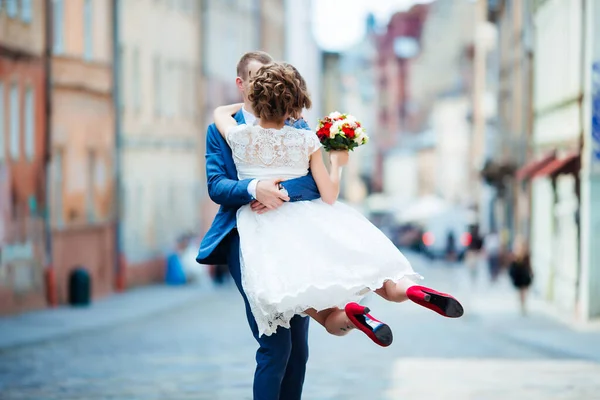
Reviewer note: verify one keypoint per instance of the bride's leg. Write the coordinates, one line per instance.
(405, 289)
(338, 323)
(395, 291)
(334, 320)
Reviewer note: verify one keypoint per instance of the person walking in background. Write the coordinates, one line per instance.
(520, 271)
(491, 246)
(450, 247)
(474, 250)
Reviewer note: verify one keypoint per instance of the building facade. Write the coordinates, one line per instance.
(82, 141)
(358, 79)
(301, 51)
(397, 48)
(439, 87)
(161, 125)
(273, 29)
(515, 116)
(22, 155)
(557, 131)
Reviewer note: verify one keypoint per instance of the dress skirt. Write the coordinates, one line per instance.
(310, 254)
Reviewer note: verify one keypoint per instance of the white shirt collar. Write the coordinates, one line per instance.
(248, 117)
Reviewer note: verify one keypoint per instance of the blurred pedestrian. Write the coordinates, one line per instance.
(220, 274)
(491, 246)
(450, 246)
(474, 253)
(175, 274)
(195, 273)
(520, 271)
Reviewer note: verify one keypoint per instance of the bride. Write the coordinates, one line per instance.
(315, 257)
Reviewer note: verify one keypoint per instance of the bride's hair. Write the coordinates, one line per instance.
(278, 90)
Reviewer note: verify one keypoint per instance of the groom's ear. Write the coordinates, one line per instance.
(239, 83)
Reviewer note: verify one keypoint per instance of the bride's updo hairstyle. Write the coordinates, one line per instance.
(278, 91)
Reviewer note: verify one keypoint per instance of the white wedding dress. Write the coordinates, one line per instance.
(305, 254)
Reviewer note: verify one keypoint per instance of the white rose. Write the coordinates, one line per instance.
(335, 114)
(351, 119)
(335, 128)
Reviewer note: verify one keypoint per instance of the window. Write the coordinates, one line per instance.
(90, 203)
(26, 13)
(14, 122)
(136, 78)
(29, 124)
(2, 123)
(12, 8)
(59, 29)
(157, 85)
(88, 39)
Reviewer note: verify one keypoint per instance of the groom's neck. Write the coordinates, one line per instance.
(248, 107)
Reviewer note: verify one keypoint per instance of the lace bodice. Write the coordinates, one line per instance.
(265, 153)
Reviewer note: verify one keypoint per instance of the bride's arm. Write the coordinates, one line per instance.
(328, 182)
(223, 117)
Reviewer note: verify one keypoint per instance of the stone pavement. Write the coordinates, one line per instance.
(37, 326)
(201, 348)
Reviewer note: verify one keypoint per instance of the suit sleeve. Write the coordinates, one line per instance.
(222, 189)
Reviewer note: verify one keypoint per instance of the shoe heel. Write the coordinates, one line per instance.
(366, 310)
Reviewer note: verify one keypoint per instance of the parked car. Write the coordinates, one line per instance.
(446, 235)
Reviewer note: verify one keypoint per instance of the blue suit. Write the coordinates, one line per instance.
(281, 358)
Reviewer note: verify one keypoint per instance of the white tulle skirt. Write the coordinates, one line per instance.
(310, 254)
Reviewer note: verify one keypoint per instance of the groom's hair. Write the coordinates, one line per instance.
(278, 91)
(260, 56)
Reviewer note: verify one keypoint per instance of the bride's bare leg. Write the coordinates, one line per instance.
(334, 320)
(395, 291)
(405, 289)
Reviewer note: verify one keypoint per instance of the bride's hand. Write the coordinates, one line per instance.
(339, 157)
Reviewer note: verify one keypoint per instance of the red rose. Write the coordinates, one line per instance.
(348, 131)
(323, 133)
(327, 125)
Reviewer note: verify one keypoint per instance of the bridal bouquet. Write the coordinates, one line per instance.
(341, 132)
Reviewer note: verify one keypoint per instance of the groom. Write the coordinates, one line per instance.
(281, 358)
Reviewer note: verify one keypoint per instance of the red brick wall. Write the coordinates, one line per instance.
(13, 303)
(21, 276)
(140, 274)
(91, 247)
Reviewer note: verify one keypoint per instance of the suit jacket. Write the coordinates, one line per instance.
(225, 189)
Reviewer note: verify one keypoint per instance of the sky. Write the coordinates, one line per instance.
(338, 24)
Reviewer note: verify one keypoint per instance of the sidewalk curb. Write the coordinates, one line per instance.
(97, 316)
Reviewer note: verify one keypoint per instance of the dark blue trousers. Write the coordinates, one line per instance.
(281, 358)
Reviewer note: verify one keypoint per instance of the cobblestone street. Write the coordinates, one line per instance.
(205, 351)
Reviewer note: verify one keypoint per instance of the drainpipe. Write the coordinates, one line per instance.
(119, 264)
(49, 270)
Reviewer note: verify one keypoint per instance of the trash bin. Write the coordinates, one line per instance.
(79, 287)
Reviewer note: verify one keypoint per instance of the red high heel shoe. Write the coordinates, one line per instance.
(376, 330)
(441, 303)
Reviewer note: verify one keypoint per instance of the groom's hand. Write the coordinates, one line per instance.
(269, 195)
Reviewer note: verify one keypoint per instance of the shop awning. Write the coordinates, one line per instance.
(564, 165)
(528, 170)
